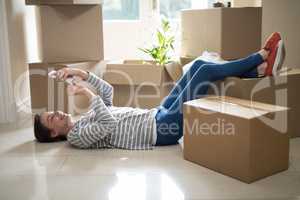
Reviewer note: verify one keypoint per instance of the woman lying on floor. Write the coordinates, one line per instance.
(105, 126)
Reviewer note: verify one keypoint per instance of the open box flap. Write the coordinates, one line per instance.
(234, 106)
(174, 70)
(137, 72)
(133, 72)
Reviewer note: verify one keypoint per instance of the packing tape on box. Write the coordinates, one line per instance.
(226, 100)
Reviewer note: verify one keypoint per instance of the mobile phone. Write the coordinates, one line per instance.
(53, 75)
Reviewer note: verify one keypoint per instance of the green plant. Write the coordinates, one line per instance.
(160, 51)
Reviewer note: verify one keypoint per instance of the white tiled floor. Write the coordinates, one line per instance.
(29, 170)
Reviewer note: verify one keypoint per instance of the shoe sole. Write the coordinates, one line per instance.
(280, 57)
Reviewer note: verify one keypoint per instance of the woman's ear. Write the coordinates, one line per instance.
(54, 133)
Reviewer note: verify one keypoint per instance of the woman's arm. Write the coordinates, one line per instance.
(104, 89)
(102, 125)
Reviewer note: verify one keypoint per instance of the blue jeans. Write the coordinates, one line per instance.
(193, 85)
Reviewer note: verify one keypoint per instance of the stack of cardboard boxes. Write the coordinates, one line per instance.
(70, 34)
(258, 146)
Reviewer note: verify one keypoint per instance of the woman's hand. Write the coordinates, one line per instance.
(75, 89)
(80, 88)
(65, 73)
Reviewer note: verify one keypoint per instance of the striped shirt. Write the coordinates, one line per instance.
(106, 126)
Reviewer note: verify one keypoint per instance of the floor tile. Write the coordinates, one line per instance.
(30, 170)
(30, 165)
(160, 186)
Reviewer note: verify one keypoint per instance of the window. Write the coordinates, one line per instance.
(131, 9)
(121, 10)
(171, 8)
(140, 19)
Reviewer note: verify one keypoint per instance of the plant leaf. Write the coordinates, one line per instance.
(165, 43)
(161, 38)
(165, 25)
(144, 50)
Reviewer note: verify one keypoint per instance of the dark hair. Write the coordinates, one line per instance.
(42, 133)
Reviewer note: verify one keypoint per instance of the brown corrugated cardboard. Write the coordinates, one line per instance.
(174, 70)
(138, 83)
(44, 93)
(232, 32)
(70, 33)
(48, 94)
(246, 3)
(63, 2)
(231, 136)
(283, 17)
(184, 60)
(281, 90)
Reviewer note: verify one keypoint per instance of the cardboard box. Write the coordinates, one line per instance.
(285, 21)
(282, 90)
(230, 136)
(246, 3)
(48, 94)
(63, 2)
(70, 33)
(184, 60)
(232, 32)
(138, 83)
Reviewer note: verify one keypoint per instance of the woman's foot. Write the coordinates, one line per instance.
(274, 54)
(275, 59)
(264, 54)
(261, 69)
(272, 41)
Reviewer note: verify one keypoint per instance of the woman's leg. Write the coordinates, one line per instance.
(172, 118)
(169, 127)
(209, 73)
(258, 72)
(250, 74)
(180, 85)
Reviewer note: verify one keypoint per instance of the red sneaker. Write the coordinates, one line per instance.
(275, 59)
(272, 41)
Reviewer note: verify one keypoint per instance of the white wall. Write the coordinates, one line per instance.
(22, 47)
(7, 105)
(122, 39)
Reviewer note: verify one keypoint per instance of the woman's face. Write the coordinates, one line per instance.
(57, 122)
